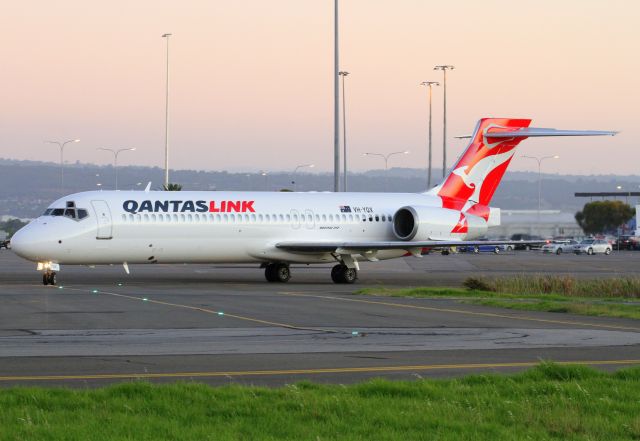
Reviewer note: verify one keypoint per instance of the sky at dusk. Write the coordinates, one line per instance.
(252, 85)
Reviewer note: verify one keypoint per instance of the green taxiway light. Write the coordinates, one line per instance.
(95, 291)
(145, 299)
(355, 333)
(220, 313)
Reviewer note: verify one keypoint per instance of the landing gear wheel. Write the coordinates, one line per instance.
(343, 274)
(277, 272)
(49, 278)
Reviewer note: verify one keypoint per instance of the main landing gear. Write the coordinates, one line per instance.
(343, 274)
(277, 272)
(280, 273)
(49, 278)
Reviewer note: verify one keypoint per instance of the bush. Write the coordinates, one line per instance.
(477, 284)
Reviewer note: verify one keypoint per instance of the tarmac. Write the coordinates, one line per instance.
(225, 324)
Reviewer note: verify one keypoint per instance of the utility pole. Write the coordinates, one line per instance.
(429, 84)
(336, 108)
(166, 121)
(444, 69)
(343, 74)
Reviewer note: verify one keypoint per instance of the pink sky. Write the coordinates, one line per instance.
(252, 80)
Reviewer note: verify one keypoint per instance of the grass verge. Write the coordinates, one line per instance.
(602, 297)
(547, 402)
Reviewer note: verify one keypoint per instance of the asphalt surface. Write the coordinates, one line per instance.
(222, 324)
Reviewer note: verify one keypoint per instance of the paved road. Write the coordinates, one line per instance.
(223, 324)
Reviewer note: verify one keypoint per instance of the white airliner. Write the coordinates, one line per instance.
(275, 229)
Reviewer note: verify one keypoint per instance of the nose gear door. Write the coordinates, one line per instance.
(103, 216)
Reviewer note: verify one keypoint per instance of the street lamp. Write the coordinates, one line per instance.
(386, 162)
(343, 74)
(444, 69)
(115, 158)
(295, 170)
(539, 160)
(61, 145)
(166, 120)
(429, 84)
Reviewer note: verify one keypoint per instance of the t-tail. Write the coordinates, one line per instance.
(472, 182)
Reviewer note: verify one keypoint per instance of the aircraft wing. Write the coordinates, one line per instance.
(345, 247)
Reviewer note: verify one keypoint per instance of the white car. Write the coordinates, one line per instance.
(592, 246)
(559, 247)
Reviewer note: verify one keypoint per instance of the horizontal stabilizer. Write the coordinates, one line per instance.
(532, 132)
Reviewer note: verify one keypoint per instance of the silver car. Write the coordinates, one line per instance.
(559, 247)
(592, 246)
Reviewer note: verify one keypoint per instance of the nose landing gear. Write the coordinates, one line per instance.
(49, 278)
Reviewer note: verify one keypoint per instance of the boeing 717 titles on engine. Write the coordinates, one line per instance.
(275, 229)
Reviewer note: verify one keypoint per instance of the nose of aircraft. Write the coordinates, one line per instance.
(25, 243)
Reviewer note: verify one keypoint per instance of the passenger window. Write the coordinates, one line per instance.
(384, 218)
(377, 218)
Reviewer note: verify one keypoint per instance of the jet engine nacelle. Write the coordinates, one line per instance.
(433, 223)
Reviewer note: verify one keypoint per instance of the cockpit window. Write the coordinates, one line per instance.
(71, 211)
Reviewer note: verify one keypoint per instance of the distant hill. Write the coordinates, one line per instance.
(28, 187)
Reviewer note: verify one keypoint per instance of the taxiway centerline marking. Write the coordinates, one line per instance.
(462, 311)
(206, 310)
(343, 370)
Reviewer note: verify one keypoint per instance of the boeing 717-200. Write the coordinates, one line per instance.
(276, 229)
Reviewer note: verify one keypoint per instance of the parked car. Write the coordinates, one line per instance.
(559, 246)
(527, 238)
(497, 249)
(627, 242)
(592, 246)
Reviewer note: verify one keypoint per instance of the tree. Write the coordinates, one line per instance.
(603, 216)
(11, 226)
(172, 187)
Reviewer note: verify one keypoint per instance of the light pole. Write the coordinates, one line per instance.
(539, 160)
(295, 171)
(429, 84)
(343, 74)
(266, 179)
(336, 111)
(166, 120)
(444, 69)
(386, 162)
(61, 145)
(115, 158)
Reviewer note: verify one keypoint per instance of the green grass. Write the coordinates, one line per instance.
(586, 307)
(601, 297)
(548, 402)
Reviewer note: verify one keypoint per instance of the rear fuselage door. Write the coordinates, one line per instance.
(103, 216)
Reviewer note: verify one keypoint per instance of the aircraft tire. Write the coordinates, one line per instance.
(282, 272)
(343, 274)
(45, 279)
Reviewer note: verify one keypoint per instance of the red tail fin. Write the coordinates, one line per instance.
(476, 175)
